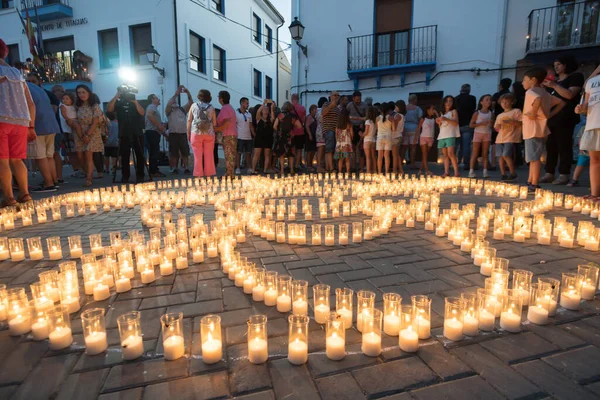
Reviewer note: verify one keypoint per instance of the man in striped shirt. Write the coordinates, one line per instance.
(329, 119)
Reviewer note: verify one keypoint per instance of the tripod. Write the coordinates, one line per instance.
(134, 146)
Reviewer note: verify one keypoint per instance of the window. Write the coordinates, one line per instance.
(219, 64)
(257, 91)
(13, 54)
(218, 5)
(256, 28)
(59, 45)
(269, 40)
(197, 59)
(141, 41)
(109, 48)
(268, 87)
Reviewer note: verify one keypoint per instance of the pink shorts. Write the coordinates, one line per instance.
(13, 141)
(480, 137)
(426, 141)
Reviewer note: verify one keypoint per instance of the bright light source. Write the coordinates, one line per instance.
(127, 74)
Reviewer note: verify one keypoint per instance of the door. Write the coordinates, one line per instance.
(392, 25)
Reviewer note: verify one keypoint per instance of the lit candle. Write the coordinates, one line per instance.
(371, 344)
(486, 320)
(409, 340)
(453, 329)
(173, 347)
(335, 347)
(537, 315)
(510, 322)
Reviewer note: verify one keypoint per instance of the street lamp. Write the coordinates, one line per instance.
(153, 57)
(297, 31)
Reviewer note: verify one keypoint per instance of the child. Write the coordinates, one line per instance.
(111, 146)
(369, 138)
(68, 114)
(398, 149)
(508, 124)
(590, 140)
(449, 131)
(282, 144)
(538, 108)
(425, 136)
(383, 145)
(583, 159)
(482, 122)
(343, 141)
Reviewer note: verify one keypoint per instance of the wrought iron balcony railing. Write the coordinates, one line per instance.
(47, 10)
(65, 66)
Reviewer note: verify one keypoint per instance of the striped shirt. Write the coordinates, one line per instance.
(330, 120)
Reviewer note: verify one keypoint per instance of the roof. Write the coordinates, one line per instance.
(274, 10)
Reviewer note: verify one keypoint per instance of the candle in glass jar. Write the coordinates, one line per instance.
(284, 303)
(453, 329)
(346, 316)
(371, 344)
(470, 325)
(166, 267)
(570, 300)
(270, 297)
(537, 315)
(173, 347)
(297, 352)
(212, 252)
(39, 329)
(60, 338)
(123, 285)
(212, 350)
(408, 340)
(19, 325)
(258, 293)
(335, 347)
(321, 313)
(258, 351)
(101, 292)
(148, 276)
(95, 343)
(300, 307)
(132, 347)
(391, 325)
(510, 322)
(486, 320)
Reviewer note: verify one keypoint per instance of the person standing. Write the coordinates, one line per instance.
(562, 125)
(320, 135)
(282, 145)
(90, 117)
(111, 146)
(154, 128)
(329, 117)
(201, 122)
(245, 132)
(226, 123)
(263, 140)
(178, 137)
(590, 140)
(310, 144)
(298, 135)
(17, 118)
(358, 116)
(465, 104)
(414, 113)
(503, 88)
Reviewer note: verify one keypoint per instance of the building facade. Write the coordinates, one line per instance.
(389, 49)
(203, 44)
(285, 77)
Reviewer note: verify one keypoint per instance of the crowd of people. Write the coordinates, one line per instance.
(339, 133)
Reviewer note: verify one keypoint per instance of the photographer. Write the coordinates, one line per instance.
(177, 120)
(154, 128)
(129, 115)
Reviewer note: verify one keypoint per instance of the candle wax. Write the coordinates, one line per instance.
(486, 320)
(258, 351)
(271, 297)
(284, 303)
(453, 330)
(570, 301)
(60, 338)
(212, 351)
(371, 344)
(101, 292)
(346, 315)
(321, 313)
(132, 347)
(510, 322)
(173, 347)
(95, 343)
(537, 315)
(470, 325)
(258, 293)
(300, 307)
(19, 325)
(123, 285)
(335, 347)
(39, 329)
(298, 352)
(391, 325)
(408, 340)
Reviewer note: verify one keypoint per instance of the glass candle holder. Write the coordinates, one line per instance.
(512, 308)
(539, 303)
(298, 339)
(54, 248)
(343, 305)
(34, 246)
(521, 284)
(130, 334)
(249, 280)
(357, 232)
(258, 291)
(299, 291)
(467, 241)
(329, 235)
(453, 319)
(181, 262)
(42, 217)
(316, 234)
(321, 302)
(39, 319)
(59, 327)
(96, 244)
(4, 249)
(365, 302)
(335, 333)
(408, 339)
(17, 250)
(490, 307)
(41, 300)
(270, 293)
(258, 347)
(148, 274)
(343, 234)
(18, 312)
(280, 232)
(211, 247)
(292, 234)
(391, 313)
(422, 309)
(116, 240)
(94, 331)
(487, 261)
(3, 303)
(75, 248)
(301, 234)
(368, 229)
(570, 293)
(470, 314)
(69, 291)
(284, 297)
(240, 271)
(499, 278)
(371, 333)
(50, 281)
(210, 334)
(172, 333)
(587, 275)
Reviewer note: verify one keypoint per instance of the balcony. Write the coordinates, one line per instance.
(47, 10)
(388, 53)
(66, 66)
(566, 26)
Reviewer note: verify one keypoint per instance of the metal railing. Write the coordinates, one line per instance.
(40, 3)
(65, 66)
(569, 25)
(411, 46)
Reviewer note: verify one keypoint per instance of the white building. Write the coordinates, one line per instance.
(285, 77)
(388, 49)
(218, 45)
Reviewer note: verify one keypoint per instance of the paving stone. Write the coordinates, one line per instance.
(394, 376)
(582, 365)
(339, 387)
(185, 283)
(428, 287)
(168, 300)
(21, 360)
(143, 373)
(79, 386)
(143, 292)
(195, 309)
(119, 308)
(245, 377)
(450, 278)
(552, 381)
(391, 280)
(210, 386)
(330, 269)
(209, 290)
(266, 395)
(306, 275)
(417, 273)
(130, 394)
(443, 363)
(291, 381)
(376, 254)
(332, 280)
(7, 391)
(234, 299)
(502, 377)
(522, 347)
(320, 366)
(359, 274)
(112, 356)
(304, 263)
(46, 377)
(469, 388)
(436, 263)
(231, 318)
(595, 388)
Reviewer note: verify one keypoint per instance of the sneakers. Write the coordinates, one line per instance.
(250, 171)
(504, 178)
(43, 189)
(532, 188)
(174, 171)
(511, 177)
(562, 180)
(547, 178)
(237, 171)
(485, 173)
(573, 183)
(472, 174)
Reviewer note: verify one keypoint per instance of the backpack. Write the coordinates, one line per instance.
(202, 119)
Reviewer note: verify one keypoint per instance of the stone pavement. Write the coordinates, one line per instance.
(561, 360)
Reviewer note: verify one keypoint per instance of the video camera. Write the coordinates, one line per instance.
(127, 92)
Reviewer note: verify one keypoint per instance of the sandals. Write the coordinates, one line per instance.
(8, 202)
(25, 198)
(88, 183)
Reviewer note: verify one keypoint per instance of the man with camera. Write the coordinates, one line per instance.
(177, 122)
(129, 115)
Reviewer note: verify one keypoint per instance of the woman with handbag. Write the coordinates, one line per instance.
(201, 124)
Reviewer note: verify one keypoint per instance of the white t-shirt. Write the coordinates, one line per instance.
(448, 130)
(483, 117)
(593, 112)
(400, 127)
(384, 128)
(71, 114)
(243, 121)
(428, 128)
(370, 137)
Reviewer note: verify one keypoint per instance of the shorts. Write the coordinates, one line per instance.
(383, 144)
(408, 138)
(397, 141)
(262, 141)
(111, 151)
(368, 144)
(43, 147)
(310, 145)
(58, 141)
(590, 140)
(426, 141)
(13, 141)
(505, 149)
(329, 141)
(178, 145)
(583, 160)
(298, 142)
(534, 148)
(448, 142)
(480, 137)
(244, 146)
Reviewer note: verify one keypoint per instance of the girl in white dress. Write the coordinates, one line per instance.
(449, 131)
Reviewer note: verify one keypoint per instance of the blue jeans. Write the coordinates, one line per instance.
(153, 144)
(465, 145)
